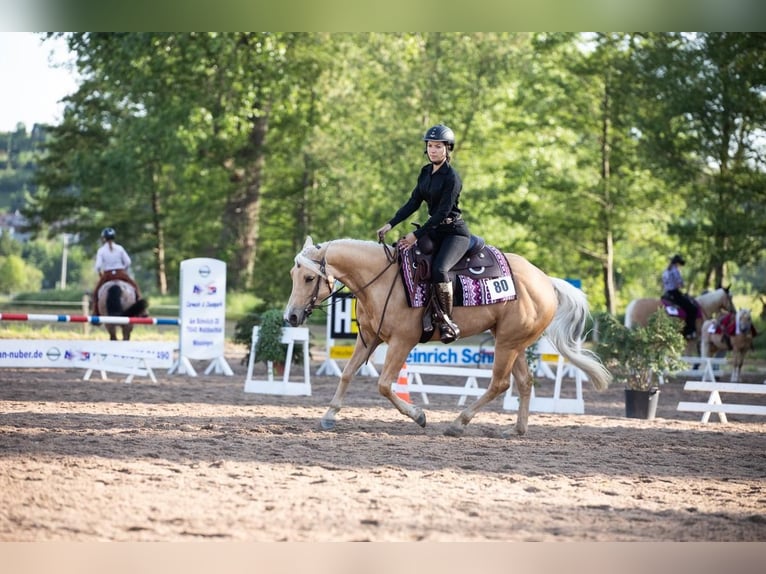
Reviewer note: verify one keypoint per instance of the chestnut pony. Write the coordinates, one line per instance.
(371, 272)
(739, 342)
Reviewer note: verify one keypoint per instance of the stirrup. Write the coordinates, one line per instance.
(449, 331)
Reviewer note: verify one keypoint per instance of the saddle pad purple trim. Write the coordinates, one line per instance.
(475, 291)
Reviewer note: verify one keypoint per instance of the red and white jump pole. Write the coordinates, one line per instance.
(92, 319)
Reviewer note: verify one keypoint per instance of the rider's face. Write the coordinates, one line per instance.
(437, 151)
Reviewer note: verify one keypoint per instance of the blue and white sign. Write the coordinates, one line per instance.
(203, 308)
(442, 355)
(50, 353)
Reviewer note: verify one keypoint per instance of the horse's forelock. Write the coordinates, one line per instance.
(302, 259)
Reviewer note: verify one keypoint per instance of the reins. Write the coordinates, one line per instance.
(392, 256)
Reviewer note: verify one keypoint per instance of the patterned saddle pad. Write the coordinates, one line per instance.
(491, 281)
(675, 311)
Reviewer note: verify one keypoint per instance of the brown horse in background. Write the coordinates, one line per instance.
(372, 272)
(117, 298)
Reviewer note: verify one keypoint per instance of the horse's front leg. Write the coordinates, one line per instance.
(739, 359)
(498, 384)
(355, 362)
(395, 359)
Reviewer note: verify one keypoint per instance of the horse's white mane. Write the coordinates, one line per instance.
(305, 260)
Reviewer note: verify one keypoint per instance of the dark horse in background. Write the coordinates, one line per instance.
(117, 298)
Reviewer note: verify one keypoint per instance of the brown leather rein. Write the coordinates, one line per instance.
(392, 256)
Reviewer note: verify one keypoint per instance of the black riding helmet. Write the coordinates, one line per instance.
(441, 133)
(108, 233)
(677, 259)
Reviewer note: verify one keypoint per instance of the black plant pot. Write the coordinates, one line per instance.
(641, 404)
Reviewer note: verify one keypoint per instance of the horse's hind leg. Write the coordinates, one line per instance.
(524, 381)
(112, 330)
(355, 362)
(499, 383)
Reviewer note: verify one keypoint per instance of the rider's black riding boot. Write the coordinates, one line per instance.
(449, 330)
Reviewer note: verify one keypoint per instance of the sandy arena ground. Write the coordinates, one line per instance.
(198, 459)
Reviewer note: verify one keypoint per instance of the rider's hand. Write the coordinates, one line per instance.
(408, 241)
(383, 230)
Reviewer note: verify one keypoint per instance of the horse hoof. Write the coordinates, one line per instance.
(421, 419)
(454, 431)
(327, 424)
(512, 432)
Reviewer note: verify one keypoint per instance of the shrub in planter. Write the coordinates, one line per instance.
(637, 356)
(269, 347)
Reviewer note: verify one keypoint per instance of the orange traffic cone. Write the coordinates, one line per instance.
(402, 380)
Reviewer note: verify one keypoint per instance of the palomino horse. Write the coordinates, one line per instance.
(371, 272)
(740, 337)
(638, 311)
(117, 298)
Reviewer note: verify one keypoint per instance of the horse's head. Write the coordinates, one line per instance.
(311, 283)
(744, 321)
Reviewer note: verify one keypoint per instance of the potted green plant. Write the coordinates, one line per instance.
(638, 356)
(269, 349)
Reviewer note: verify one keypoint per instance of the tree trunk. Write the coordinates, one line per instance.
(608, 255)
(159, 233)
(242, 211)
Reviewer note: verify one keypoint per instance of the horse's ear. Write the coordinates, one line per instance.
(309, 242)
(727, 287)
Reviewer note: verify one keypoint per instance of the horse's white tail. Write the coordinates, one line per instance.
(566, 331)
(629, 314)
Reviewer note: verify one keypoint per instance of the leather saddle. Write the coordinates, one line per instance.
(477, 263)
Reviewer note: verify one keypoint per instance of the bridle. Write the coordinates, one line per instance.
(320, 268)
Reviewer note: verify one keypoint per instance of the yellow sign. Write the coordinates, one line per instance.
(343, 317)
(341, 351)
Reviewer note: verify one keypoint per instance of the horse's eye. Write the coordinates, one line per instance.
(309, 278)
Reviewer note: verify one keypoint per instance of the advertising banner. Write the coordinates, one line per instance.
(203, 308)
(343, 323)
(47, 353)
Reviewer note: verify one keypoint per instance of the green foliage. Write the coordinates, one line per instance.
(269, 346)
(16, 275)
(636, 356)
(593, 155)
(71, 295)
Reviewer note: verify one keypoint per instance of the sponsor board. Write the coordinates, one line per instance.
(438, 354)
(203, 308)
(42, 353)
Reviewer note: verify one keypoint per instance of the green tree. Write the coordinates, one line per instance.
(16, 275)
(706, 136)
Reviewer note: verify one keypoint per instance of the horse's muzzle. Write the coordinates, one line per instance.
(295, 317)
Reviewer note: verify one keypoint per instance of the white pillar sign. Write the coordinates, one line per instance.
(203, 314)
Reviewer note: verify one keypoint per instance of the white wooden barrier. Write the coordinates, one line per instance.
(471, 386)
(554, 404)
(133, 363)
(290, 336)
(714, 403)
(707, 366)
